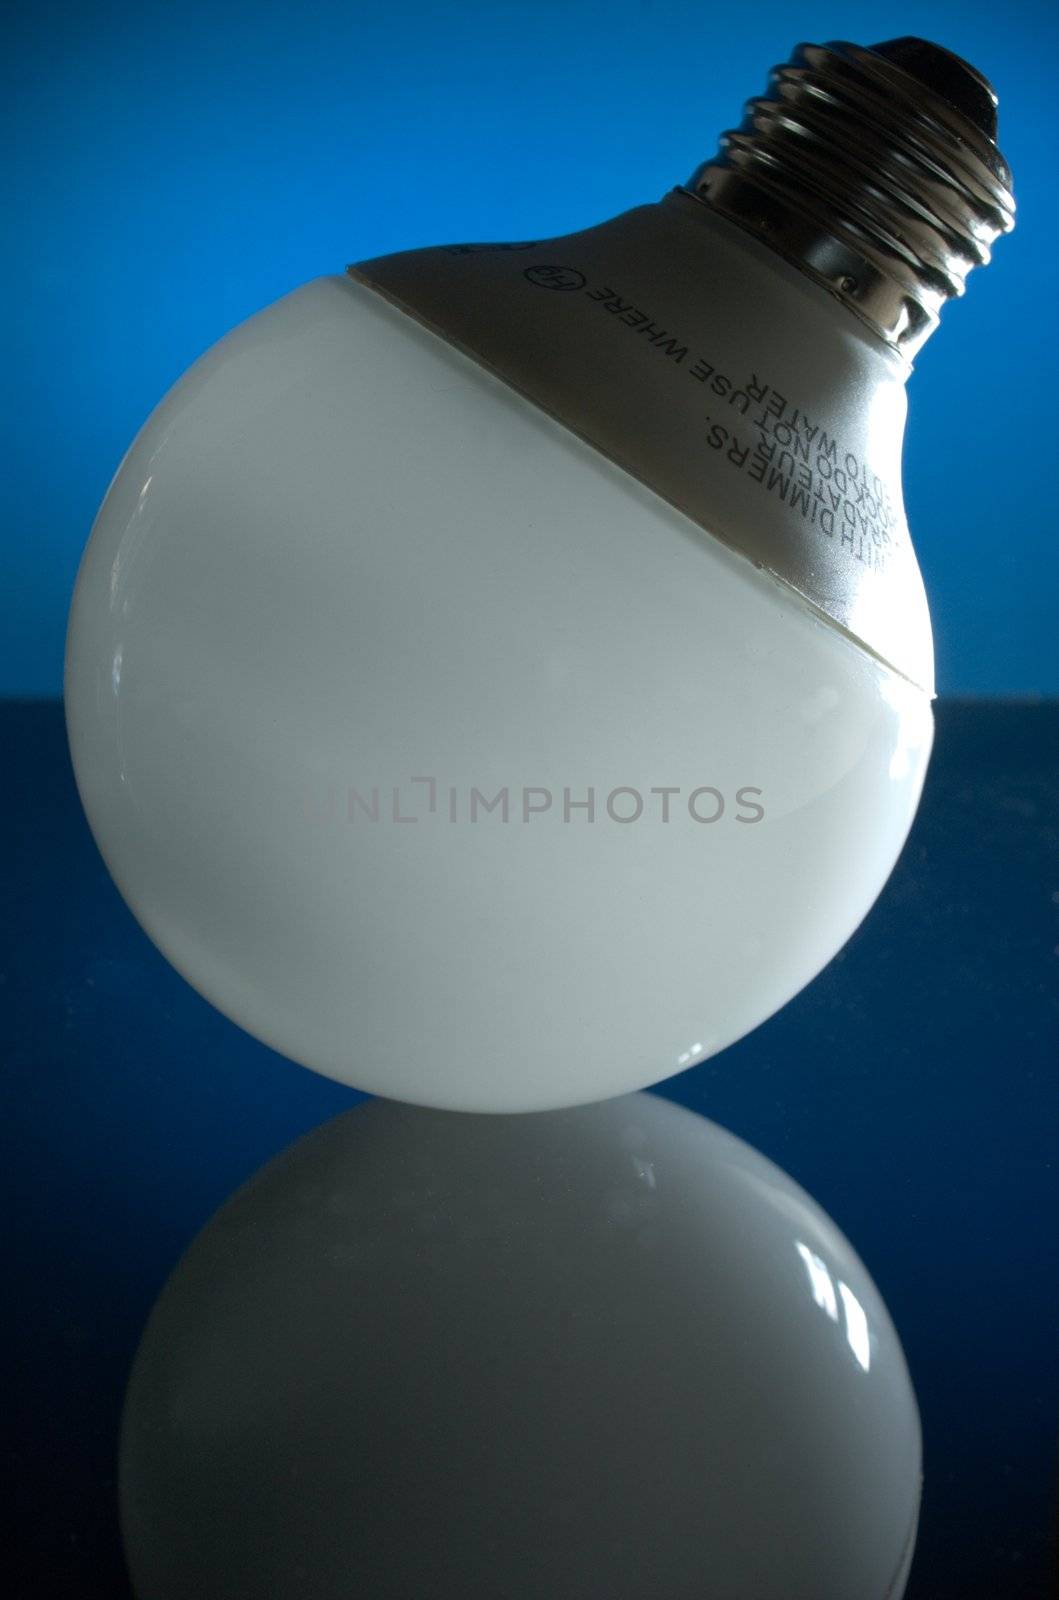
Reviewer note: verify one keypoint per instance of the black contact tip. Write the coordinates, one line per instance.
(949, 76)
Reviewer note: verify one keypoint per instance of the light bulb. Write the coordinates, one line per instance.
(611, 1353)
(500, 676)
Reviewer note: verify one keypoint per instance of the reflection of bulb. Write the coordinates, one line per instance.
(501, 676)
(610, 1352)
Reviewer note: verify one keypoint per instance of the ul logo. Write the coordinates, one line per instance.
(555, 277)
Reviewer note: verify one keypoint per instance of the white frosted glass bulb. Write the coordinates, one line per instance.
(609, 1353)
(500, 676)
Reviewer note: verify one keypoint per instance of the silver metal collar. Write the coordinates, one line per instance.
(876, 172)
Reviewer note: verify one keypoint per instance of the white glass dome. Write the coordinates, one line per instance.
(350, 597)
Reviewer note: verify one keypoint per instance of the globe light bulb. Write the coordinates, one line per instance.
(500, 676)
(611, 1353)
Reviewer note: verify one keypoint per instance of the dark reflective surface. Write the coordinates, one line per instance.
(575, 1354)
(911, 1089)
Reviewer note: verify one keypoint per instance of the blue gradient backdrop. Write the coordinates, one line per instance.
(169, 170)
(173, 168)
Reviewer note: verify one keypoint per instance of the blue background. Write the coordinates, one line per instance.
(169, 171)
(176, 167)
